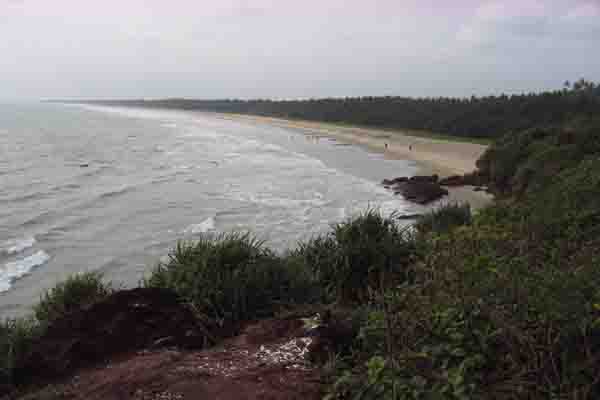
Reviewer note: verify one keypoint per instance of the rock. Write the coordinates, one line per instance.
(400, 179)
(425, 178)
(391, 182)
(421, 189)
(479, 189)
(124, 322)
(471, 179)
(453, 180)
(420, 192)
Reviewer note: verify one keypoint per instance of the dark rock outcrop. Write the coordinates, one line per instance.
(124, 322)
(420, 189)
(453, 180)
(420, 192)
(391, 182)
(471, 179)
(425, 178)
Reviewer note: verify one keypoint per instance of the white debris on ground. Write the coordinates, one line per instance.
(294, 351)
(233, 362)
(143, 395)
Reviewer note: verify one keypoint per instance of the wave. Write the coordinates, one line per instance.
(276, 201)
(15, 246)
(117, 192)
(17, 269)
(205, 226)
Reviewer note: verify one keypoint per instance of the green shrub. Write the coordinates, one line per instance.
(16, 336)
(444, 218)
(232, 277)
(361, 254)
(75, 292)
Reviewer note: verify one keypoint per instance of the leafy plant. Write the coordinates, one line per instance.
(444, 218)
(75, 292)
(232, 277)
(16, 336)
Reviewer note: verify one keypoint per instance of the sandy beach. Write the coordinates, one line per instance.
(432, 155)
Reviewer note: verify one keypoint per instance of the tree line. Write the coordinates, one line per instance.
(475, 117)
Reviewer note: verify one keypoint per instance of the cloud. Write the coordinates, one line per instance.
(585, 10)
(289, 48)
(500, 23)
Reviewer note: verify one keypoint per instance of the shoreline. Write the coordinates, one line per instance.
(432, 156)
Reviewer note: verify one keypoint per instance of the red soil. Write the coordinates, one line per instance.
(267, 361)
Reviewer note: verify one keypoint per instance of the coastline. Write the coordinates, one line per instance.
(432, 155)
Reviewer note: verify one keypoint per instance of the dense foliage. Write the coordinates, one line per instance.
(507, 307)
(16, 335)
(233, 278)
(367, 252)
(75, 292)
(475, 117)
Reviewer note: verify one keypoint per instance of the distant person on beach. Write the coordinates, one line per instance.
(386, 146)
(410, 147)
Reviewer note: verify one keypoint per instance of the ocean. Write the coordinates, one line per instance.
(87, 188)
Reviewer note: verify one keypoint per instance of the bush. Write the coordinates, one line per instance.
(76, 291)
(443, 219)
(16, 336)
(232, 277)
(362, 254)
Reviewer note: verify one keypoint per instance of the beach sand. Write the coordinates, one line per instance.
(432, 155)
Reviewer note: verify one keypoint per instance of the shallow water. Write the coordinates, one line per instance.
(108, 189)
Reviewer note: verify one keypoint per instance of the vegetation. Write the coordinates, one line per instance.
(443, 219)
(476, 117)
(232, 278)
(364, 253)
(15, 338)
(507, 306)
(16, 335)
(75, 292)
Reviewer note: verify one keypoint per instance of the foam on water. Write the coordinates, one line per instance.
(15, 246)
(17, 269)
(205, 226)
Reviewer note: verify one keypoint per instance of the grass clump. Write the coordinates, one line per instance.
(444, 218)
(16, 336)
(362, 254)
(76, 291)
(231, 277)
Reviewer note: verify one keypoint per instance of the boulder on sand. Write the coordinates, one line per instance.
(471, 179)
(420, 192)
(425, 178)
(416, 178)
(391, 182)
(453, 180)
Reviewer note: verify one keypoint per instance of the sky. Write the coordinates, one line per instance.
(286, 49)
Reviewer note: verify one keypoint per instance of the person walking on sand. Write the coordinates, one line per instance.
(410, 147)
(386, 146)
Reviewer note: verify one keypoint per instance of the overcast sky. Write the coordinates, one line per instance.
(293, 48)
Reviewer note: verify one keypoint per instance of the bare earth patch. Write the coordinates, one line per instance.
(267, 361)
